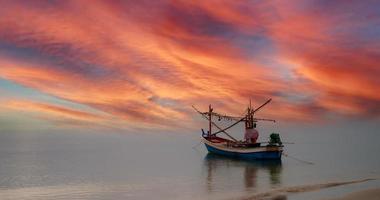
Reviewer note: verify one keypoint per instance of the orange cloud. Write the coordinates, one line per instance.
(333, 51)
(55, 114)
(52, 109)
(147, 62)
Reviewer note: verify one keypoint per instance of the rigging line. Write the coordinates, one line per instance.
(195, 146)
(281, 142)
(215, 125)
(242, 119)
(299, 160)
(229, 126)
(220, 129)
(263, 119)
(197, 150)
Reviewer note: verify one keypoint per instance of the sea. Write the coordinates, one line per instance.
(321, 161)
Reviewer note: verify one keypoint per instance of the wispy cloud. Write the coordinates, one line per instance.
(147, 62)
(46, 111)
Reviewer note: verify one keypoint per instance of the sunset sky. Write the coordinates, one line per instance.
(126, 65)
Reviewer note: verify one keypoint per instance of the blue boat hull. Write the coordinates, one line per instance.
(263, 155)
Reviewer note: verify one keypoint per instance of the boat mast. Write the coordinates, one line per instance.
(249, 116)
(209, 119)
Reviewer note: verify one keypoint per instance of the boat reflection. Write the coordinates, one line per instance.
(226, 172)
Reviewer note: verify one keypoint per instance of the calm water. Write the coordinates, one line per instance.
(165, 166)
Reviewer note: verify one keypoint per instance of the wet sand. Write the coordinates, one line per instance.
(371, 194)
(281, 193)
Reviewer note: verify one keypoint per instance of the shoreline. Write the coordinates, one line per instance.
(367, 194)
(282, 193)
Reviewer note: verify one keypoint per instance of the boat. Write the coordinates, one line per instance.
(231, 147)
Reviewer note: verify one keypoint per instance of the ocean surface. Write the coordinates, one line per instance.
(321, 164)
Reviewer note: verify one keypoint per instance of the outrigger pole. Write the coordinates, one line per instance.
(261, 106)
(248, 117)
(242, 119)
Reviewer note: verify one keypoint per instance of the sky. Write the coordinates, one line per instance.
(140, 65)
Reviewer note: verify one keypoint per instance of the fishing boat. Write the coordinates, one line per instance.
(232, 147)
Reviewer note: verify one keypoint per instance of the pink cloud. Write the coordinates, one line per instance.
(146, 63)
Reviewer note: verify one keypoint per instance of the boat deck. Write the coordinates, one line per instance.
(242, 147)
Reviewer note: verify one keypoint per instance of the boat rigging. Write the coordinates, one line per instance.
(232, 146)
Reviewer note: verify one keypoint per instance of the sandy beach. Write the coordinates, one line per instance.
(370, 194)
